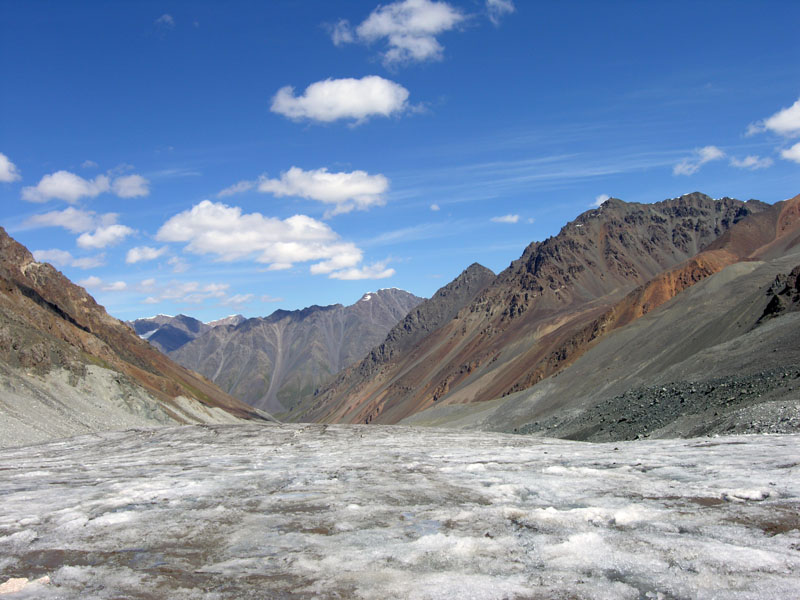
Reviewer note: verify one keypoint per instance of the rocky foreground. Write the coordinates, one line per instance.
(254, 511)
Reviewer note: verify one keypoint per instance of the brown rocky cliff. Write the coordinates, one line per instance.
(46, 316)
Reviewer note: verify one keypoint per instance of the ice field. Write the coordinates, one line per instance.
(248, 511)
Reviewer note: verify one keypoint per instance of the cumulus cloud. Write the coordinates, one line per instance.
(8, 170)
(89, 164)
(90, 262)
(131, 186)
(62, 258)
(143, 254)
(706, 154)
(600, 199)
(434, 207)
(59, 258)
(333, 99)
(71, 219)
(63, 185)
(215, 228)
(345, 191)
(409, 29)
(751, 162)
(103, 236)
(792, 153)
(497, 9)
(376, 270)
(237, 188)
(505, 219)
(91, 282)
(94, 282)
(784, 122)
(222, 230)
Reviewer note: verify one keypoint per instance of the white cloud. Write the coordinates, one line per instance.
(785, 122)
(689, 166)
(62, 258)
(165, 20)
(237, 188)
(434, 207)
(237, 300)
(600, 199)
(151, 300)
(409, 29)
(91, 282)
(376, 270)
(131, 186)
(109, 235)
(59, 258)
(192, 292)
(792, 153)
(505, 219)
(71, 219)
(178, 265)
(147, 284)
(342, 33)
(349, 98)
(346, 191)
(90, 262)
(8, 170)
(116, 286)
(497, 9)
(752, 162)
(268, 298)
(89, 164)
(215, 228)
(143, 253)
(66, 186)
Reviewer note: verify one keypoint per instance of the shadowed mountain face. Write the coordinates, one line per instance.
(55, 341)
(168, 333)
(276, 361)
(545, 310)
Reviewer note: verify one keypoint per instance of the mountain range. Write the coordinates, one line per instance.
(543, 311)
(274, 362)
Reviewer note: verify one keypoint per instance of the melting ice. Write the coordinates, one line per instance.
(379, 512)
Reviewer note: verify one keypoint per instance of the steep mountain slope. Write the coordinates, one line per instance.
(721, 356)
(68, 367)
(542, 312)
(424, 319)
(276, 361)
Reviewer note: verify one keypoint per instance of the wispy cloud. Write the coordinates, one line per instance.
(497, 9)
(752, 162)
(600, 199)
(505, 219)
(701, 156)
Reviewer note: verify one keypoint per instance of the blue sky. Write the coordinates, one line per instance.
(212, 158)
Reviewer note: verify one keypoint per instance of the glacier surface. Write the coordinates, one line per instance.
(312, 511)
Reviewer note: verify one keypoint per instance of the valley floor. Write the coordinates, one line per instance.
(251, 511)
